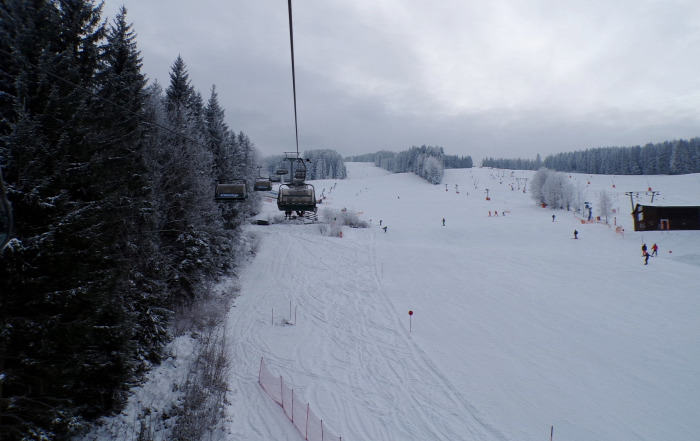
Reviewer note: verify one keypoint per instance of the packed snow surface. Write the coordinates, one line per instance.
(516, 326)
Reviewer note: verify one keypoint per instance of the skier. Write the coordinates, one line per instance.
(575, 234)
(654, 250)
(646, 257)
(443, 221)
(384, 228)
(644, 249)
(552, 218)
(380, 222)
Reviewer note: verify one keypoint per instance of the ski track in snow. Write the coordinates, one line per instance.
(516, 327)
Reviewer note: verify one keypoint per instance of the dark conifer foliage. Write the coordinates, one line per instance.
(513, 164)
(427, 162)
(665, 158)
(325, 164)
(454, 161)
(111, 185)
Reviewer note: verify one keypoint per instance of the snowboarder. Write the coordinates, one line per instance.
(384, 228)
(654, 250)
(575, 234)
(646, 257)
(644, 249)
(552, 218)
(443, 221)
(495, 213)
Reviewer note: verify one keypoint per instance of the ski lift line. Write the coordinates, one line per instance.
(95, 95)
(294, 83)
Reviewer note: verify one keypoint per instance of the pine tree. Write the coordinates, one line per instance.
(126, 179)
(222, 145)
(58, 282)
(190, 218)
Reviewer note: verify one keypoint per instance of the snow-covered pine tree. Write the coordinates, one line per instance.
(604, 205)
(189, 215)
(59, 278)
(222, 145)
(126, 178)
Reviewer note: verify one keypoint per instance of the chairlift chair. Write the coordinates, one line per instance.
(295, 197)
(231, 192)
(262, 184)
(300, 174)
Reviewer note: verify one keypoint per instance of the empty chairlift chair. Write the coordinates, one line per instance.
(300, 198)
(231, 192)
(262, 184)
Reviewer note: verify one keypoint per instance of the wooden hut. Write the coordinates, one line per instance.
(659, 217)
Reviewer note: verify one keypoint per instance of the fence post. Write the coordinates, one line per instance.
(321, 430)
(292, 406)
(282, 391)
(306, 437)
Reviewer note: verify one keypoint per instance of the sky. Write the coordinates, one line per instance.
(505, 78)
(516, 326)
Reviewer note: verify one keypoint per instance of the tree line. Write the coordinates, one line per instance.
(111, 182)
(425, 161)
(513, 164)
(449, 161)
(321, 164)
(325, 164)
(666, 158)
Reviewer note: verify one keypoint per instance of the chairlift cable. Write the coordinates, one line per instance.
(294, 85)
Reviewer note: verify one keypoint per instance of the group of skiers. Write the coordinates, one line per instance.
(646, 254)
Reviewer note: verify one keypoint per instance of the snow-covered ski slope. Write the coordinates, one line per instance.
(517, 327)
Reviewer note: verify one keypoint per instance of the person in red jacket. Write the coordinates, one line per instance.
(654, 250)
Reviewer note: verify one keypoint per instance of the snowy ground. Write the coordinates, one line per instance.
(517, 327)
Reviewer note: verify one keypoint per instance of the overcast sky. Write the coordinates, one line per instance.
(500, 78)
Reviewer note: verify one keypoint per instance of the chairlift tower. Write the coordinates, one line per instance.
(633, 194)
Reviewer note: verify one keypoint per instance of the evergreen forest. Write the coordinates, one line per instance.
(665, 158)
(111, 182)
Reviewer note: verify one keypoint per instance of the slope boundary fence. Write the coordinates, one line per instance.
(309, 425)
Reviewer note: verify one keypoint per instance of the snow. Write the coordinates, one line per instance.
(517, 327)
